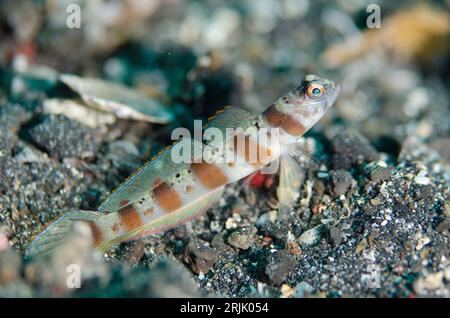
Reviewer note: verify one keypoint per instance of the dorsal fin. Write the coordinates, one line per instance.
(229, 117)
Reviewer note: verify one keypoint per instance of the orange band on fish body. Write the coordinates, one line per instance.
(210, 175)
(167, 198)
(97, 234)
(260, 152)
(284, 121)
(129, 217)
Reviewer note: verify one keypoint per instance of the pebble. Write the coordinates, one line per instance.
(219, 244)
(322, 174)
(279, 265)
(311, 236)
(303, 289)
(29, 155)
(200, 257)
(361, 246)
(273, 216)
(215, 226)
(123, 155)
(231, 223)
(263, 220)
(380, 173)
(250, 198)
(384, 190)
(133, 252)
(336, 235)
(376, 201)
(416, 101)
(421, 180)
(443, 226)
(428, 283)
(286, 291)
(421, 240)
(242, 238)
(350, 148)
(442, 145)
(340, 182)
(62, 137)
(293, 248)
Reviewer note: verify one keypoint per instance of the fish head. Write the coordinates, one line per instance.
(302, 107)
(315, 93)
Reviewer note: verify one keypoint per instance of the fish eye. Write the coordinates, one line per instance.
(315, 90)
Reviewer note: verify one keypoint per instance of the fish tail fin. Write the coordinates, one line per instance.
(58, 232)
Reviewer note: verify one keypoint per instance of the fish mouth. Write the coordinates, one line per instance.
(334, 95)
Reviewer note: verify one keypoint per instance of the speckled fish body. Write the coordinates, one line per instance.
(164, 194)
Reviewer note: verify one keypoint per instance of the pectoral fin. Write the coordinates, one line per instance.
(303, 152)
(294, 161)
(292, 176)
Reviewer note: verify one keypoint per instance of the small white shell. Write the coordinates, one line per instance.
(113, 97)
